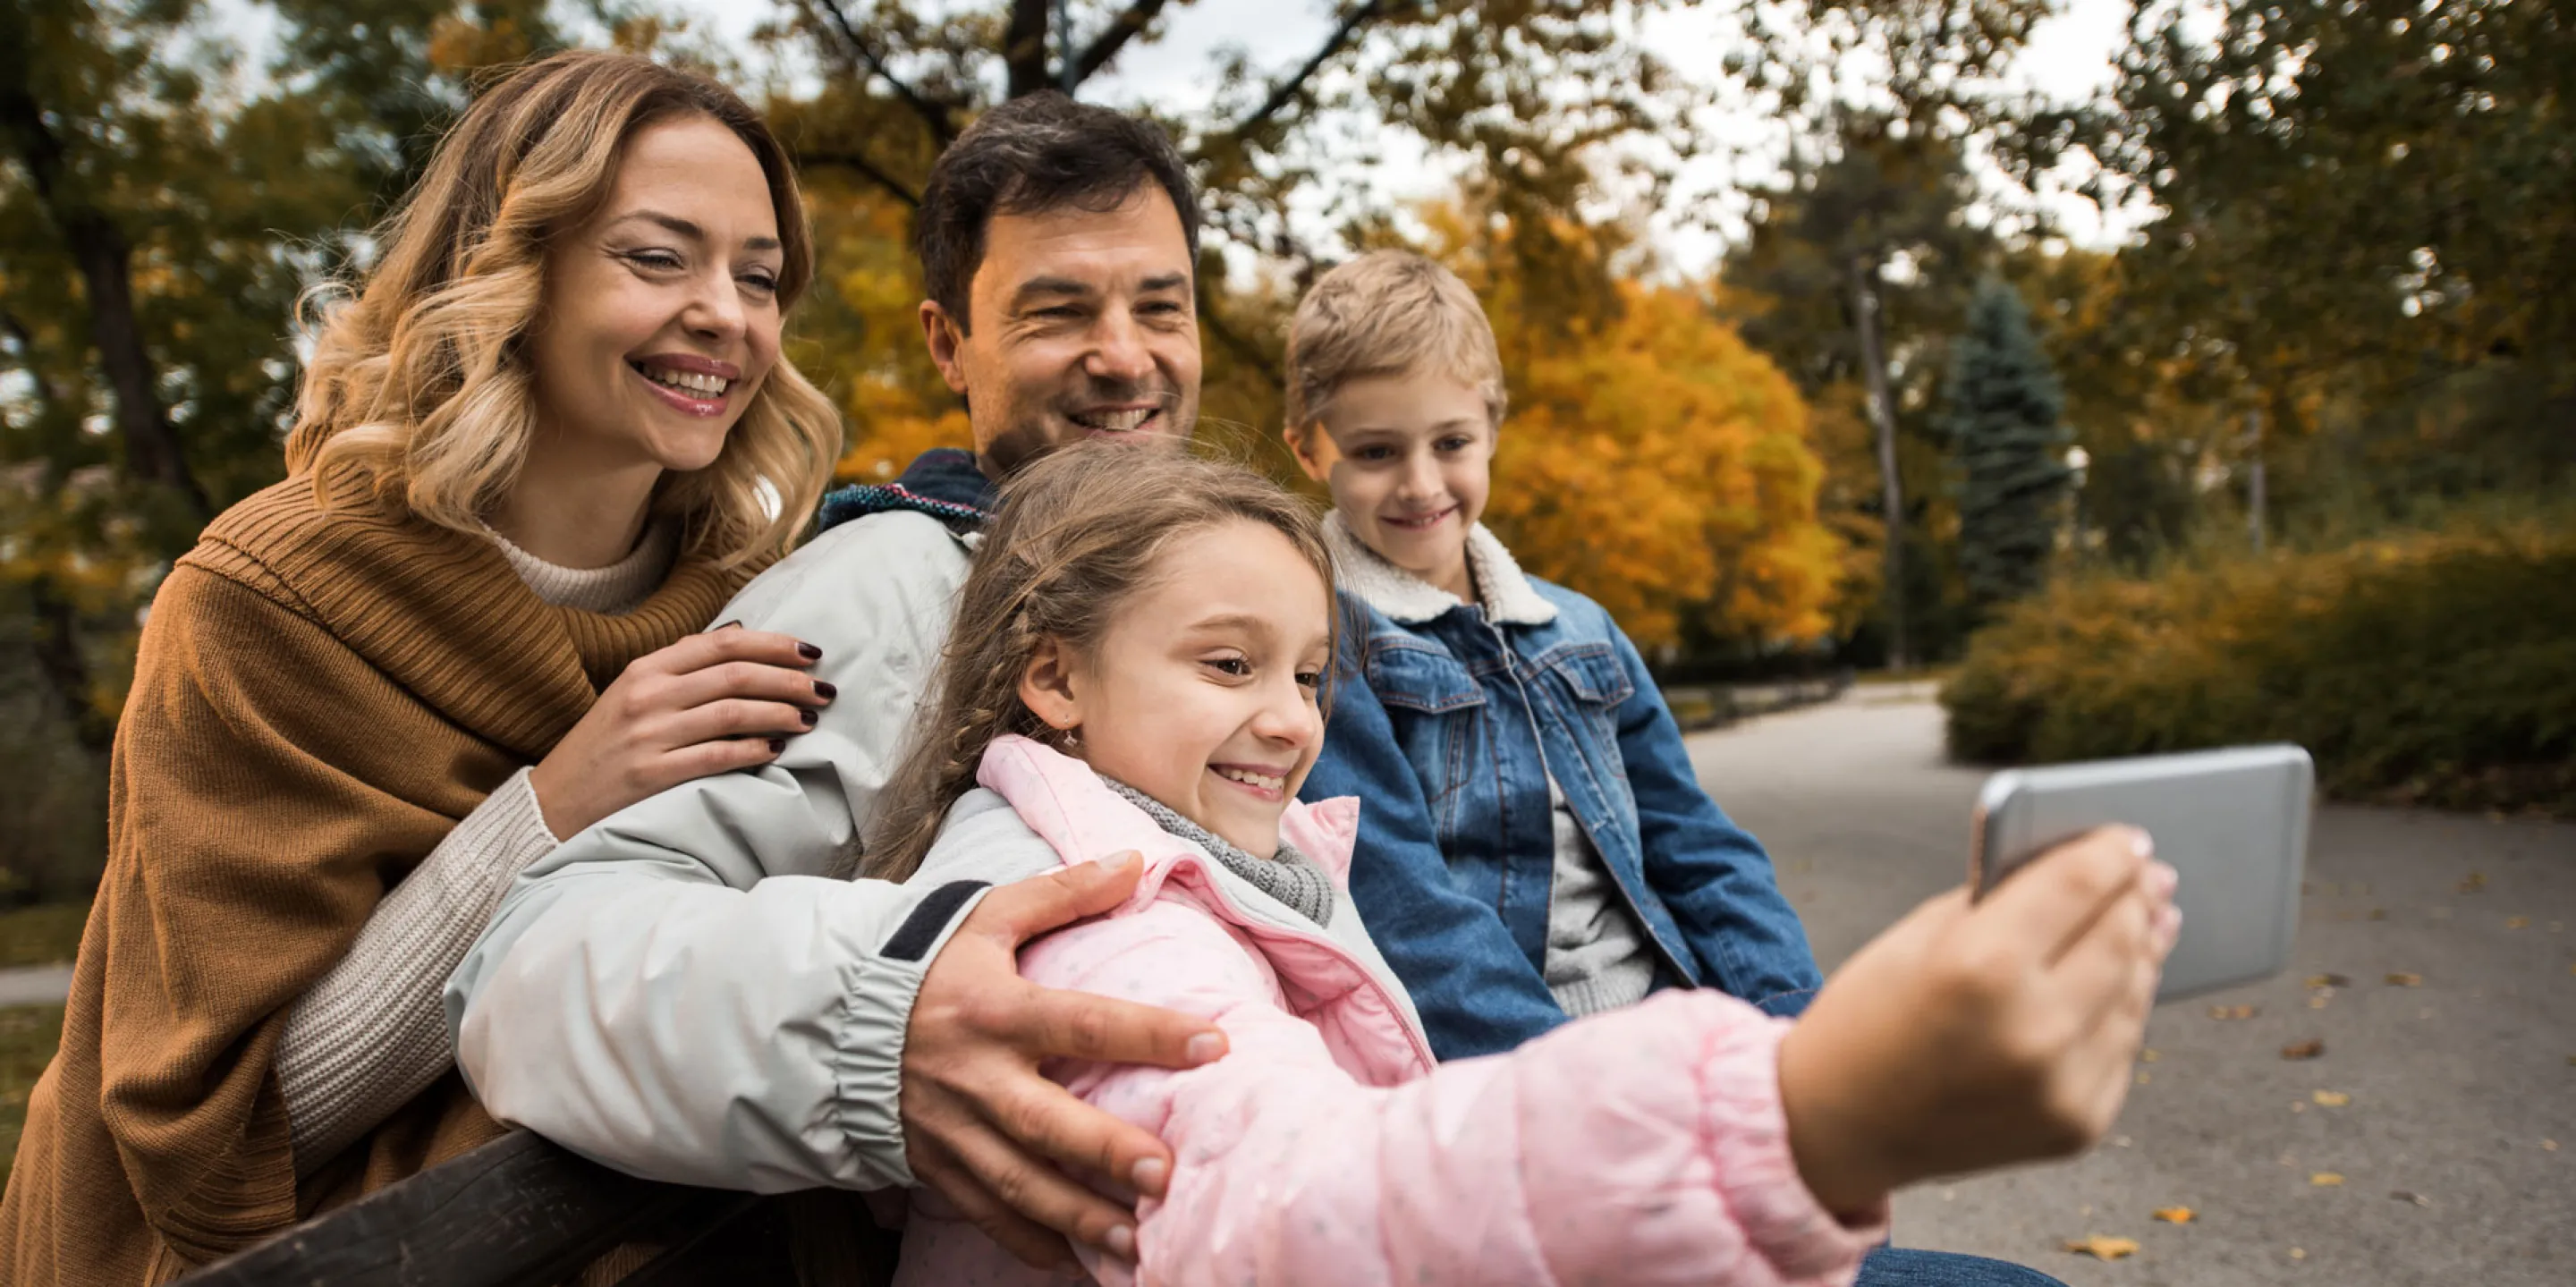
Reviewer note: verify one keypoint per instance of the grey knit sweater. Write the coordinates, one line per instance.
(1291, 877)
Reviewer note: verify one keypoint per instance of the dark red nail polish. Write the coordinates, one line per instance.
(777, 745)
(808, 716)
(809, 652)
(826, 691)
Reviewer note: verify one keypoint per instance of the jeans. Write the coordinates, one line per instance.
(1905, 1267)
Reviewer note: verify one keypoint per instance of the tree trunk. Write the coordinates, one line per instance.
(1024, 48)
(1863, 273)
(99, 248)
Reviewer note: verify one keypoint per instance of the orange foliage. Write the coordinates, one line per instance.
(1664, 468)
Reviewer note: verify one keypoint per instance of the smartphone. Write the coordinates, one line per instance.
(2233, 824)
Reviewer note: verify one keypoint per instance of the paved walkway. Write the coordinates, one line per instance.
(35, 985)
(2457, 1145)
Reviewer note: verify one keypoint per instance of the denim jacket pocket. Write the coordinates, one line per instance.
(1420, 679)
(1591, 677)
(1592, 673)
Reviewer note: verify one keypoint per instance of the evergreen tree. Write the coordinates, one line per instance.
(2004, 415)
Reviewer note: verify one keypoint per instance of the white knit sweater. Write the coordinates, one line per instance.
(372, 1033)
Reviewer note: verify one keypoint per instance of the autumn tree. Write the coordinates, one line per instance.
(2003, 412)
(1867, 225)
(2364, 230)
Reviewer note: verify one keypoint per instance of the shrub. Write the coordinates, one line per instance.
(2435, 667)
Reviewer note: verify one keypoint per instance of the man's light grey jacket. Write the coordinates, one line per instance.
(680, 991)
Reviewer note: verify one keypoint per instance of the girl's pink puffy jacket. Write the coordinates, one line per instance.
(1640, 1146)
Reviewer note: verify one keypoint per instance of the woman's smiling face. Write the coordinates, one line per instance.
(1203, 691)
(661, 314)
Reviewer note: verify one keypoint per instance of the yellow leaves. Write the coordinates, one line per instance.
(2473, 882)
(2175, 1215)
(2325, 1180)
(2330, 1098)
(2231, 1012)
(2103, 1247)
(2308, 1049)
(2405, 980)
(2517, 922)
(458, 44)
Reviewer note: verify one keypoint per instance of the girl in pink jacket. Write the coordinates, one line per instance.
(1137, 674)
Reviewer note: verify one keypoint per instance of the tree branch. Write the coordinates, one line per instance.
(1295, 82)
(1129, 23)
(864, 168)
(943, 127)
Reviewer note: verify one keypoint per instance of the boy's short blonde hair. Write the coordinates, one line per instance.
(1389, 312)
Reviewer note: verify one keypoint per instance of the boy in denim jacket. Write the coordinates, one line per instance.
(1534, 845)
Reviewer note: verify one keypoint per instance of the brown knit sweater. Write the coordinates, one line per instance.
(320, 695)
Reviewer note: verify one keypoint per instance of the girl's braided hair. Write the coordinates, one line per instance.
(1080, 532)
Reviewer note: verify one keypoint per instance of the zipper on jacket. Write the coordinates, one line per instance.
(1538, 737)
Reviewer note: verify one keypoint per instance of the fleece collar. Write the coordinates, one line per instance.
(1509, 598)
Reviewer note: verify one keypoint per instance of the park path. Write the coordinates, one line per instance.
(2456, 1146)
(35, 984)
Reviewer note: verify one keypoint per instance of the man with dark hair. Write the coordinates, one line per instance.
(674, 991)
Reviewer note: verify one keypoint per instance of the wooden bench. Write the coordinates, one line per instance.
(520, 1212)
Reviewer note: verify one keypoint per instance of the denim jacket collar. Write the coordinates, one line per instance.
(1509, 599)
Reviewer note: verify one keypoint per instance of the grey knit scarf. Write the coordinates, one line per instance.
(1292, 877)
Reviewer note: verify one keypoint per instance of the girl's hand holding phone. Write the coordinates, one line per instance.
(1970, 1036)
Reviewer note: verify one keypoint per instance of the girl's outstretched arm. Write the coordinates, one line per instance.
(1643, 1146)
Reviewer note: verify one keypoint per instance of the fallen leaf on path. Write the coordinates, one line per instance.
(2328, 981)
(2308, 1049)
(2330, 1098)
(2298, 1253)
(2473, 882)
(2325, 1179)
(2549, 1146)
(2406, 980)
(2103, 1248)
(2148, 1056)
(2142, 1076)
(2174, 1215)
(2247, 1011)
(2318, 1002)
(2517, 922)
(2416, 1198)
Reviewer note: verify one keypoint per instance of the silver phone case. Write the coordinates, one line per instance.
(2232, 823)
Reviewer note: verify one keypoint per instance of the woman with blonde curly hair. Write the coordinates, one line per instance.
(548, 438)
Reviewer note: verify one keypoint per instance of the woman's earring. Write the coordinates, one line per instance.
(1072, 739)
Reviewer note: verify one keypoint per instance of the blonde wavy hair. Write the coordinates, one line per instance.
(1080, 532)
(419, 381)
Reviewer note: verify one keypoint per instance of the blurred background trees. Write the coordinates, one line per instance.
(2338, 259)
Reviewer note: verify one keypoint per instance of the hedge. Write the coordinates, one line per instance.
(2430, 668)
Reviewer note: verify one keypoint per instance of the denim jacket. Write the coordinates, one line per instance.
(1447, 720)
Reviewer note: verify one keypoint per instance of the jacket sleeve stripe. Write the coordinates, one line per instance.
(931, 915)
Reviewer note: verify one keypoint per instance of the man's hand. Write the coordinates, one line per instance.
(981, 1126)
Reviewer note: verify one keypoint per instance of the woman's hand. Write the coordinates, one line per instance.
(726, 699)
(983, 1126)
(1970, 1036)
